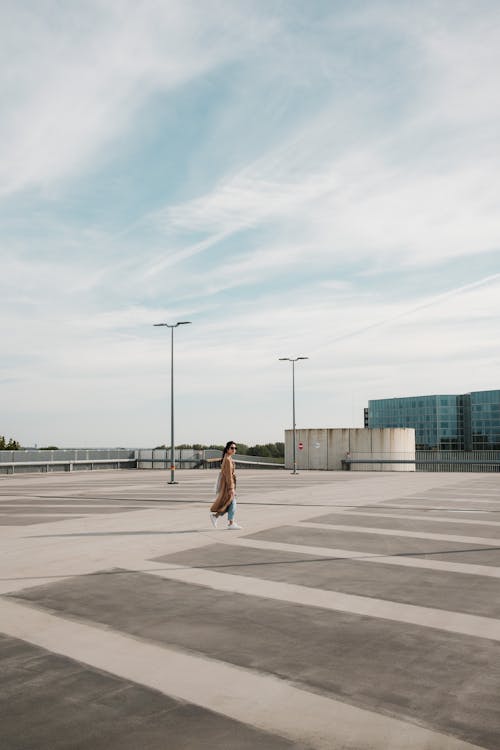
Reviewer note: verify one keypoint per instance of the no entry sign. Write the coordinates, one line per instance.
(300, 446)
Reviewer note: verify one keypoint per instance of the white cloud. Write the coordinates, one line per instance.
(463, 58)
(227, 372)
(70, 88)
(361, 205)
(419, 191)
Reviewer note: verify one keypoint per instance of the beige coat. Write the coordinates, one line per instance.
(227, 487)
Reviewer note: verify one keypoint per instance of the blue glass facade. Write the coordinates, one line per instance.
(468, 421)
(484, 420)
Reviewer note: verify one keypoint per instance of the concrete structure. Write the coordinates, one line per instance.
(325, 448)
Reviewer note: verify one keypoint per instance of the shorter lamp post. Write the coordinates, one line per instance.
(293, 361)
(172, 443)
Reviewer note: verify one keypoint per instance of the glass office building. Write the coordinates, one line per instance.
(469, 421)
(483, 415)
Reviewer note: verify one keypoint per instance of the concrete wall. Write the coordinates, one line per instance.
(325, 448)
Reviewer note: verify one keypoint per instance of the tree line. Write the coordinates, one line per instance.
(267, 450)
(15, 445)
(9, 445)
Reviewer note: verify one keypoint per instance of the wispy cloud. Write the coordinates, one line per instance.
(438, 299)
(73, 87)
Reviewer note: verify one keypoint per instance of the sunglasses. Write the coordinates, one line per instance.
(232, 448)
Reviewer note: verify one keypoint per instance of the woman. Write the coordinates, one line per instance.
(226, 489)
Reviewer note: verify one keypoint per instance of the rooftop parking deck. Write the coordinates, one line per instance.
(353, 610)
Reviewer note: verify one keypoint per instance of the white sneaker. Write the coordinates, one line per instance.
(233, 525)
(214, 520)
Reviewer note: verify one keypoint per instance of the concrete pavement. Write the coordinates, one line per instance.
(354, 610)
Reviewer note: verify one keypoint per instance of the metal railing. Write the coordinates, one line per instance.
(159, 458)
(188, 458)
(78, 459)
(458, 461)
(248, 462)
(461, 461)
(81, 459)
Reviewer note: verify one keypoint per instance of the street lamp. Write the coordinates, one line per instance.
(293, 361)
(172, 444)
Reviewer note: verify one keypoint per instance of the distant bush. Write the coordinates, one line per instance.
(269, 450)
(9, 445)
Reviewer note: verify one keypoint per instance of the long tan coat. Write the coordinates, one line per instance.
(227, 487)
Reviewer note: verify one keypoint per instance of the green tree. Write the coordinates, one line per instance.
(259, 450)
(273, 450)
(9, 445)
(269, 450)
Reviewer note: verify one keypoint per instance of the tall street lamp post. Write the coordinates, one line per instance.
(293, 361)
(172, 443)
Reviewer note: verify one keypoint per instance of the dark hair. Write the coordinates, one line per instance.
(228, 445)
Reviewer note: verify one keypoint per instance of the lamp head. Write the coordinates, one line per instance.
(174, 325)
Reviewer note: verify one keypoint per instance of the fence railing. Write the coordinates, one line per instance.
(248, 462)
(188, 458)
(458, 461)
(81, 459)
(78, 459)
(461, 461)
(159, 458)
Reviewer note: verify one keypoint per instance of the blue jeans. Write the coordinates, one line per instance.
(231, 510)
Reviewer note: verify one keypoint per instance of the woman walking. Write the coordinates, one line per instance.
(226, 489)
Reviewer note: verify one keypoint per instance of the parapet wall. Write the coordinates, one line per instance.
(325, 448)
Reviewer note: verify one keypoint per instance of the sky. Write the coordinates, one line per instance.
(314, 179)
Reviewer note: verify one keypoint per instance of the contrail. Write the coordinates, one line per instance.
(433, 301)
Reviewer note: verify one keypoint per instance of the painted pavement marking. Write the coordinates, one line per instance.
(275, 706)
(452, 622)
(410, 562)
(402, 533)
(427, 518)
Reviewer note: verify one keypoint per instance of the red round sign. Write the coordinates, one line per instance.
(300, 446)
